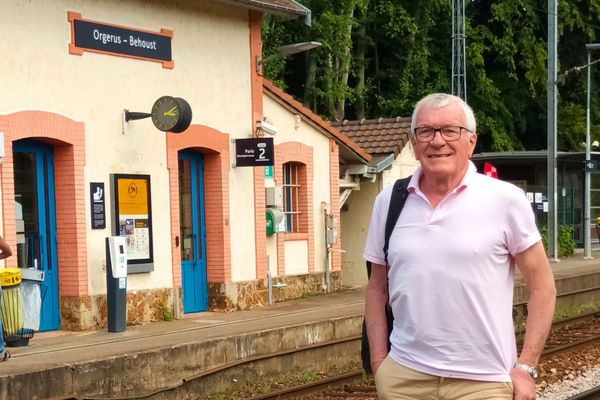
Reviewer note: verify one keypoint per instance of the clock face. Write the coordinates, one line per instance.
(171, 114)
(166, 113)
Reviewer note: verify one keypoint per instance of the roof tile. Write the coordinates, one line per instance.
(378, 136)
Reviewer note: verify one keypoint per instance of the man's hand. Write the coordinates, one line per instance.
(376, 321)
(523, 384)
(375, 365)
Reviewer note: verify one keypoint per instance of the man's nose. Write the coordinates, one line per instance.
(437, 139)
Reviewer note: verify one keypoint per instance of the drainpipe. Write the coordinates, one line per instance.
(327, 277)
(269, 287)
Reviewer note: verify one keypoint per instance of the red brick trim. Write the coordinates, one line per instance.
(334, 190)
(301, 153)
(68, 138)
(260, 226)
(214, 146)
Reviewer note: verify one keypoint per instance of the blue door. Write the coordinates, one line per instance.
(192, 232)
(36, 221)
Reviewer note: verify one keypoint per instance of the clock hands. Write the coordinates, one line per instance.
(171, 113)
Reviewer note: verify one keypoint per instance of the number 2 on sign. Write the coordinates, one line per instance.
(261, 154)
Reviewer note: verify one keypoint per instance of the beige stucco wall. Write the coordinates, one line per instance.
(210, 49)
(293, 128)
(404, 165)
(355, 220)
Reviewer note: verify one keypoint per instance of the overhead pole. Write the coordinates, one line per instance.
(551, 159)
(587, 240)
(459, 80)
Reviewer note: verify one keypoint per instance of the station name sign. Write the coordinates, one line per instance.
(254, 152)
(111, 39)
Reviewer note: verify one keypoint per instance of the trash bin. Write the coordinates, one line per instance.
(11, 308)
(32, 305)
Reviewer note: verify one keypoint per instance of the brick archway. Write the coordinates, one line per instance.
(68, 139)
(214, 146)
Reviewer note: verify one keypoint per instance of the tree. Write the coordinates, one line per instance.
(380, 56)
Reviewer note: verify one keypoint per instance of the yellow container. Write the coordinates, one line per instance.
(10, 277)
(11, 311)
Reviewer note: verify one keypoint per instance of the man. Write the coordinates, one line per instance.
(5, 252)
(450, 273)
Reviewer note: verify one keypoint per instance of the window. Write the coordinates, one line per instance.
(291, 195)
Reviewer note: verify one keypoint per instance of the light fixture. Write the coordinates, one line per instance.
(285, 51)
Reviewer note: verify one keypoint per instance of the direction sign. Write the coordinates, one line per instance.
(254, 152)
(590, 165)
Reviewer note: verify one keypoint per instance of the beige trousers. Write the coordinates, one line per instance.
(396, 382)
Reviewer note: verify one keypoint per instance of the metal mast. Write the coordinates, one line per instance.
(552, 135)
(459, 79)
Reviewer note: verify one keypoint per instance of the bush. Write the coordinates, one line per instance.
(566, 244)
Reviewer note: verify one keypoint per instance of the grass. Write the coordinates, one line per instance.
(568, 312)
(559, 314)
(266, 384)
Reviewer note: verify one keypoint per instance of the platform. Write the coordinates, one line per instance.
(151, 356)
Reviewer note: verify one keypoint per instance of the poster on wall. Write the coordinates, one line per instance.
(97, 205)
(133, 216)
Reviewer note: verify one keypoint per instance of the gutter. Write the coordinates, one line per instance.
(382, 164)
(299, 11)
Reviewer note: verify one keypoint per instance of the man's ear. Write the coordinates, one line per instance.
(472, 144)
(413, 143)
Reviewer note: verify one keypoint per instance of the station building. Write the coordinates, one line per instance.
(91, 93)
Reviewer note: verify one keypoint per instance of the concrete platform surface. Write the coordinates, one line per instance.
(50, 349)
(59, 349)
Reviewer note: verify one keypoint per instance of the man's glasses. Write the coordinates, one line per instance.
(449, 133)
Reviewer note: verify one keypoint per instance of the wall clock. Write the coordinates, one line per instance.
(171, 114)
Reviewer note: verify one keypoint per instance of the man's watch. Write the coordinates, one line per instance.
(532, 371)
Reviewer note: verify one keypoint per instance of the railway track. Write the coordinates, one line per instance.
(586, 326)
(592, 394)
(353, 385)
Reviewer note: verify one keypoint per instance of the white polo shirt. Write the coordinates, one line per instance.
(451, 276)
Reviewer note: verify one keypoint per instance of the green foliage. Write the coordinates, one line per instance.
(571, 126)
(263, 384)
(565, 241)
(380, 56)
(166, 312)
(568, 312)
(566, 244)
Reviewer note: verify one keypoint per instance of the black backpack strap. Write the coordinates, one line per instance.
(397, 200)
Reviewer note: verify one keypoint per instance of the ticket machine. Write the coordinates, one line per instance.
(116, 282)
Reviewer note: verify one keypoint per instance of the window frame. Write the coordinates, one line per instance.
(291, 196)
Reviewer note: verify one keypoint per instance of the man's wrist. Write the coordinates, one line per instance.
(531, 370)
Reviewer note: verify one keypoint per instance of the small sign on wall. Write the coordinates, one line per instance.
(97, 205)
(269, 171)
(254, 152)
(87, 35)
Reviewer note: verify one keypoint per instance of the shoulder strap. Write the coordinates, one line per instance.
(397, 200)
